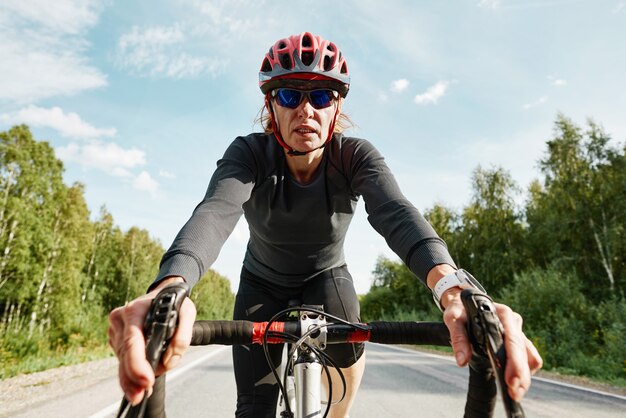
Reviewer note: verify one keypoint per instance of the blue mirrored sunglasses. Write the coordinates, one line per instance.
(291, 98)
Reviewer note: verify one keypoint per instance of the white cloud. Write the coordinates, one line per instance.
(67, 124)
(60, 16)
(152, 37)
(202, 40)
(538, 102)
(108, 157)
(400, 85)
(224, 15)
(556, 81)
(433, 93)
(489, 4)
(94, 154)
(167, 174)
(121, 172)
(145, 182)
(156, 52)
(42, 49)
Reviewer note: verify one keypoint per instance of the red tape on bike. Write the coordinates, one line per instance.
(260, 328)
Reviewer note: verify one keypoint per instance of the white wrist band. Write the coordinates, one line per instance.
(460, 278)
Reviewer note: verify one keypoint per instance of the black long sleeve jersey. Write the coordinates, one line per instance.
(298, 230)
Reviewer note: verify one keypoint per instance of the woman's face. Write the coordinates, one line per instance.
(304, 128)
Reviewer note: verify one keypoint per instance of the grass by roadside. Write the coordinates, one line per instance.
(50, 359)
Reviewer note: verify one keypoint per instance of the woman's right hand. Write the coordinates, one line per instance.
(127, 340)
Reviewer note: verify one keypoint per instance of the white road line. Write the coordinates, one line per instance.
(539, 379)
(112, 409)
(584, 389)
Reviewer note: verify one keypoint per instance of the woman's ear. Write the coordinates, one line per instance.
(270, 110)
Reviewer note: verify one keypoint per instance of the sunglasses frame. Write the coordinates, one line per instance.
(305, 93)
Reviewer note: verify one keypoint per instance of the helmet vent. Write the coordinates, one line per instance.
(271, 53)
(285, 61)
(331, 47)
(307, 58)
(328, 63)
(266, 67)
(306, 41)
(344, 69)
(282, 45)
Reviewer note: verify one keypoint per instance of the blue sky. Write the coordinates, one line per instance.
(140, 98)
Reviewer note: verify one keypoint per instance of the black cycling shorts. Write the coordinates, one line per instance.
(258, 300)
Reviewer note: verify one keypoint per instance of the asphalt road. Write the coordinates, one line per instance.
(397, 383)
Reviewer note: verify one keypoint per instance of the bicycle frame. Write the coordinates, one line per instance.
(302, 368)
(289, 397)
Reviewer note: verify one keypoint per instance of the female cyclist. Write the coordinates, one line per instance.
(298, 184)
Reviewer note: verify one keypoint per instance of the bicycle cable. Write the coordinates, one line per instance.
(301, 342)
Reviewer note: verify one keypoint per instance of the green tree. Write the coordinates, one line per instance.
(578, 215)
(213, 297)
(32, 193)
(395, 288)
(572, 334)
(447, 223)
(559, 262)
(137, 264)
(61, 273)
(61, 303)
(101, 259)
(490, 240)
(377, 304)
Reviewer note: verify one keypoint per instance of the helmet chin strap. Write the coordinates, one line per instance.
(290, 151)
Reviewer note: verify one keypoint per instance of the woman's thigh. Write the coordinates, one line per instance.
(257, 391)
(334, 290)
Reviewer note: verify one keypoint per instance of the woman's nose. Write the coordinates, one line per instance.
(305, 107)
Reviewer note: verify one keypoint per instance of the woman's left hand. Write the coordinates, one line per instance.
(523, 359)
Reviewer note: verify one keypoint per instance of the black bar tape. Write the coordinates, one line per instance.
(156, 401)
(487, 337)
(422, 333)
(222, 332)
(482, 390)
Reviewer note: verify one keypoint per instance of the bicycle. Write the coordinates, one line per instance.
(309, 335)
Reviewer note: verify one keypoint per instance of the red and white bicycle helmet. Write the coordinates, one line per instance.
(304, 61)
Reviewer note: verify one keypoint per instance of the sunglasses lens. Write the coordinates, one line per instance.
(321, 98)
(288, 98)
(291, 98)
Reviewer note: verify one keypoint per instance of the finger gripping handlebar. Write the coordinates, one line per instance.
(158, 328)
(162, 320)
